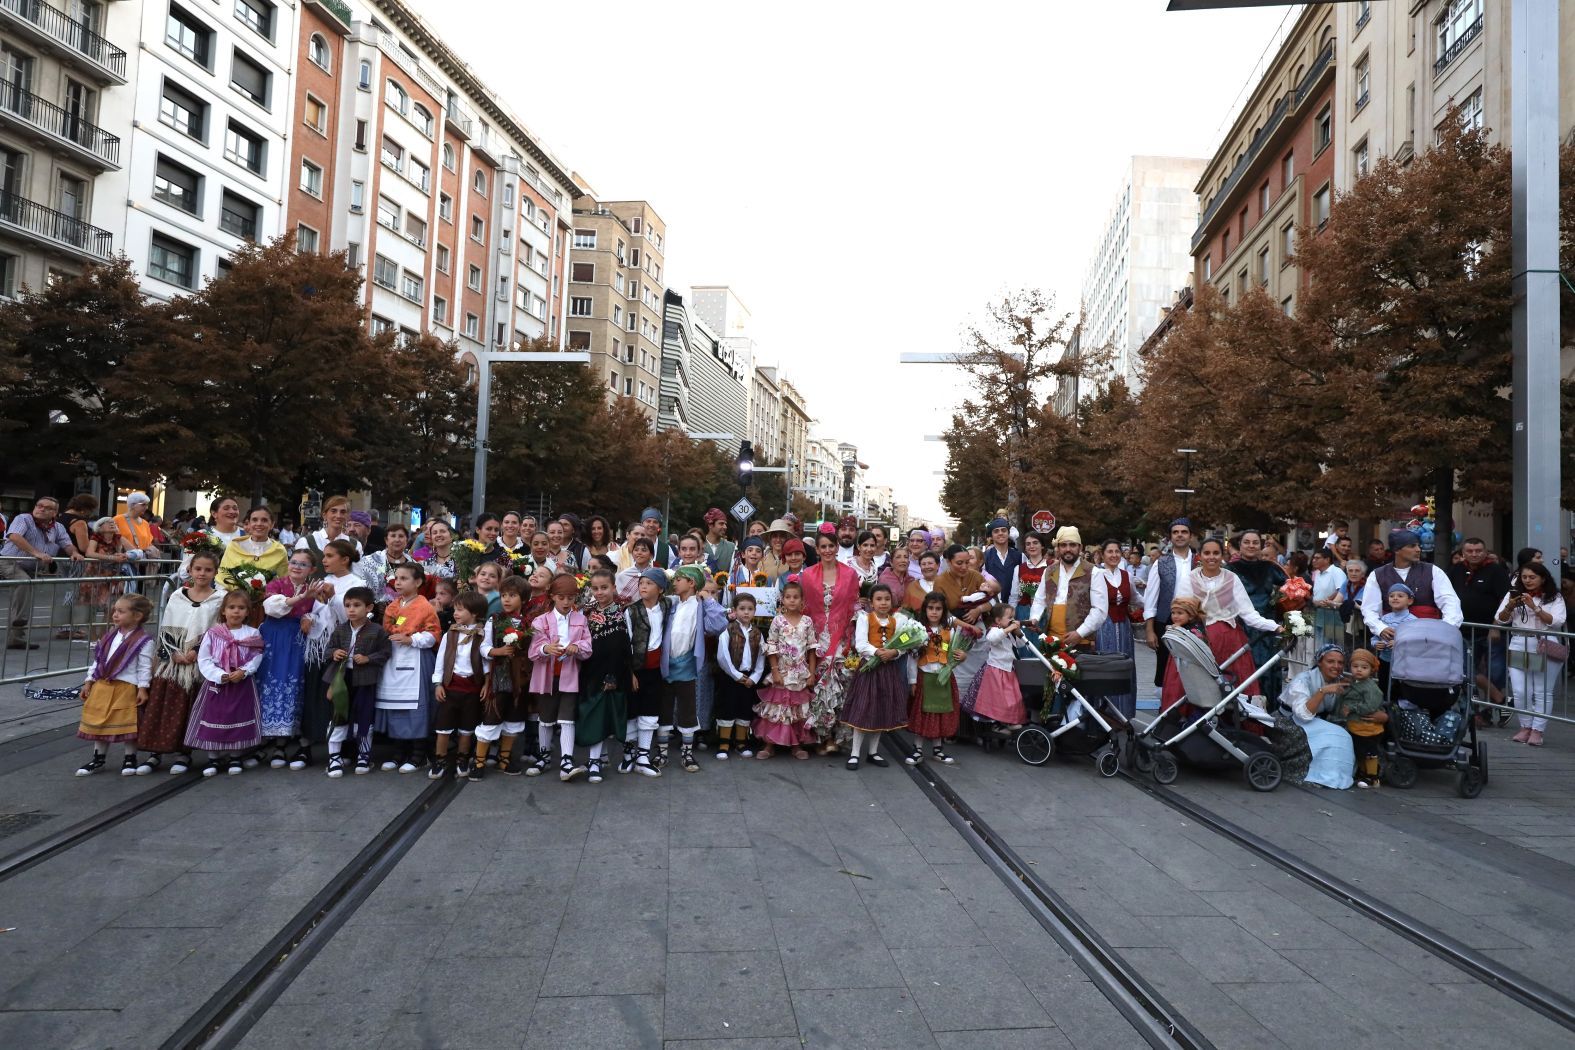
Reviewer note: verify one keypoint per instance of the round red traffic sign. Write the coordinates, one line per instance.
(1043, 521)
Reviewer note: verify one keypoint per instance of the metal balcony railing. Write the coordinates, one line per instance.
(55, 23)
(1462, 42)
(33, 218)
(60, 123)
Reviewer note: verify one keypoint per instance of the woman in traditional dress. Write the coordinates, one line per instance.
(510, 540)
(864, 562)
(287, 607)
(932, 712)
(1309, 694)
(1115, 634)
(1226, 608)
(189, 612)
(773, 563)
(1026, 576)
(1262, 579)
(831, 592)
(929, 569)
(437, 557)
(894, 574)
(257, 547)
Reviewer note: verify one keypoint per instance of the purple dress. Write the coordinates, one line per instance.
(225, 716)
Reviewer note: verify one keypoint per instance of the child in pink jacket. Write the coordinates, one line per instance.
(560, 639)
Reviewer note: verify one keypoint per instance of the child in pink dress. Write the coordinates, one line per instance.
(1000, 696)
(782, 715)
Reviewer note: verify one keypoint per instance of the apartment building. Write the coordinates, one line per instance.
(702, 386)
(765, 412)
(794, 428)
(720, 307)
(1275, 170)
(823, 476)
(1143, 256)
(58, 201)
(853, 497)
(616, 298)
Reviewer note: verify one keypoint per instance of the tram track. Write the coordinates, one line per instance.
(76, 834)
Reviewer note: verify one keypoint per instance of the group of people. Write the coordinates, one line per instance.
(522, 642)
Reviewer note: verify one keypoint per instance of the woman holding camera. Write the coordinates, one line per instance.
(1535, 660)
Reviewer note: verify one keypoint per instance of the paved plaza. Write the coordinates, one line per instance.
(770, 905)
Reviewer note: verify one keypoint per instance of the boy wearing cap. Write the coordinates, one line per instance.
(689, 621)
(647, 620)
(651, 518)
(1399, 599)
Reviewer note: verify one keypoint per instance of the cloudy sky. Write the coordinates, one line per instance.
(867, 176)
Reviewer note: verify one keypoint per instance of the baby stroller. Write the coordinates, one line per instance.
(1217, 737)
(1430, 724)
(1081, 720)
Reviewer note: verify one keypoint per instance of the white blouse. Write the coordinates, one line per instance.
(139, 671)
(1224, 598)
(210, 668)
(1528, 620)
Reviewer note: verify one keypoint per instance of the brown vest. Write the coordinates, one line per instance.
(735, 644)
(1078, 600)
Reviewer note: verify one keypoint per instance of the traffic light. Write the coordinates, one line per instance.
(746, 464)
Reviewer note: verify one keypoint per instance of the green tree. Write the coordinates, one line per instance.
(417, 439)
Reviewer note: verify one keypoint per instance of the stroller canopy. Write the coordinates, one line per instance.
(1428, 652)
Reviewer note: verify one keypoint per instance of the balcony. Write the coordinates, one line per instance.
(45, 226)
(338, 10)
(54, 30)
(457, 122)
(31, 114)
(1453, 51)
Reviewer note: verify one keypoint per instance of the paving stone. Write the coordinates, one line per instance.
(967, 988)
(726, 995)
(419, 898)
(467, 1002)
(821, 951)
(366, 966)
(633, 962)
(606, 1022)
(860, 1019)
(1004, 1039)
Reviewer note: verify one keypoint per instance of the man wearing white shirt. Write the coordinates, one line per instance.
(1435, 595)
(1075, 599)
(1168, 579)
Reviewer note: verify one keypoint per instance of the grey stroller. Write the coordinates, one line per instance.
(1430, 724)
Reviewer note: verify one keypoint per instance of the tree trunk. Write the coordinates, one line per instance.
(1444, 517)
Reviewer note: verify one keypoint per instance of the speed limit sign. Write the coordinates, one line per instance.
(1043, 522)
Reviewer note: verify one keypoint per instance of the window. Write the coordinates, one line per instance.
(1263, 265)
(1321, 206)
(1323, 131)
(364, 82)
(381, 325)
(439, 310)
(443, 257)
(311, 178)
(387, 213)
(1364, 11)
(189, 36)
(315, 114)
(396, 96)
(385, 272)
(1364, 81)
(177, 186)
(421, 175)
(617, 314)
(357, 196)
(1225, 246)
(1287, 242)
(582, 272)
(393, 154)
(256, 15)
(628, 387)
(472, 326)
(1410, 114)
(579, 306)
(317, 51)
(508, 195)
(181, 110)
(478, 228)
(579, 340)
(448, 155)
(412, 287)
(479, 183)
(1359, 161)
(353, 256)
(634, 224)
(473, 278)
(1287, 171)
(172, 262)
(1458, 26)
(445, 207)
(634, 320)
(249, 78)
(1263, 199)
(422, 118)
(416, 228)
(1208, 273)
(1471, 111)
(244, 148)
(305, 239)
(634, 257)
(360, 136)
(1242, 225)
(585, 238)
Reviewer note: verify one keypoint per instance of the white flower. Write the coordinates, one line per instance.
(510, 638)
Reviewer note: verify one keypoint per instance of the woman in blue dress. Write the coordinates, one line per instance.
(285, 624)
(1309, 694)
(1115, 634)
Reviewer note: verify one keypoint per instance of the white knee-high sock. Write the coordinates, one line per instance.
(858, 741)
(646, 730)
(544, 737)
(596, 750)
(631, 730)
(874, 742)
(566, 738)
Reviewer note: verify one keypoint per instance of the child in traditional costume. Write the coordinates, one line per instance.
(932, 714)
(359, 648)
(444, 593)
(224, 718)
(503, 715)
(690, 620)
(404, 692)
(560, 639)
(782, 713)
(878, 698)
(647, 621)
(460, 675)
(741, 661)
(287, 607)
(189, 612)
(1000, 697)
(117, 684)
(1361, 707)
(606, 676)
(339, 558)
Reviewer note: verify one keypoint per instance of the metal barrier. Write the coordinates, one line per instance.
(67, 609)
(1488, 649)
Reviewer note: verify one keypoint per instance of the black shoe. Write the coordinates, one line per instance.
(914, 757)
(435, 771)
(464, 766)
(477, 770)
(128, 766)
(336, 766)
(686, 758)
(234, 768)
(91, 766)
(878, 761)
(853, 762)
(626, 764)
(593, 770)
(301, 759)
(941, 756)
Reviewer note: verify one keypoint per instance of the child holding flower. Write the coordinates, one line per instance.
(932, 713)
(404, 692)
(878, 695)
(503, 715)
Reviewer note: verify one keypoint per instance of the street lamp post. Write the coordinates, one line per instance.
(1186, 455)
(484, 361)
(1014, 432)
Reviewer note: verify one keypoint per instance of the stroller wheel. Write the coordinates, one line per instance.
(1479, 759)
(1165, 768)
(1142, 758)
(1262, 771)
(1034, 745)
(1471, 782)
(1400, 772)
(1109, 763)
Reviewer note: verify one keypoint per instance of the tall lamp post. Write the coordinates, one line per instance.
(1186, 490)
(485, 359)
(1534, 250)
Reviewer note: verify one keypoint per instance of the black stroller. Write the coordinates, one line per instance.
(1078, 718)
(1430, 724)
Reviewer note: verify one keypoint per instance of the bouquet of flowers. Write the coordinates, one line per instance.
(955, 652)
(201, 540)
(467, 555)
(909, 638)
(250, 580)
(521, 563)
(1026, 592)
(1293, 595)
(1063, 661)
(1296, 628)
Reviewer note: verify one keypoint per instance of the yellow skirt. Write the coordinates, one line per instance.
(109, 712)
